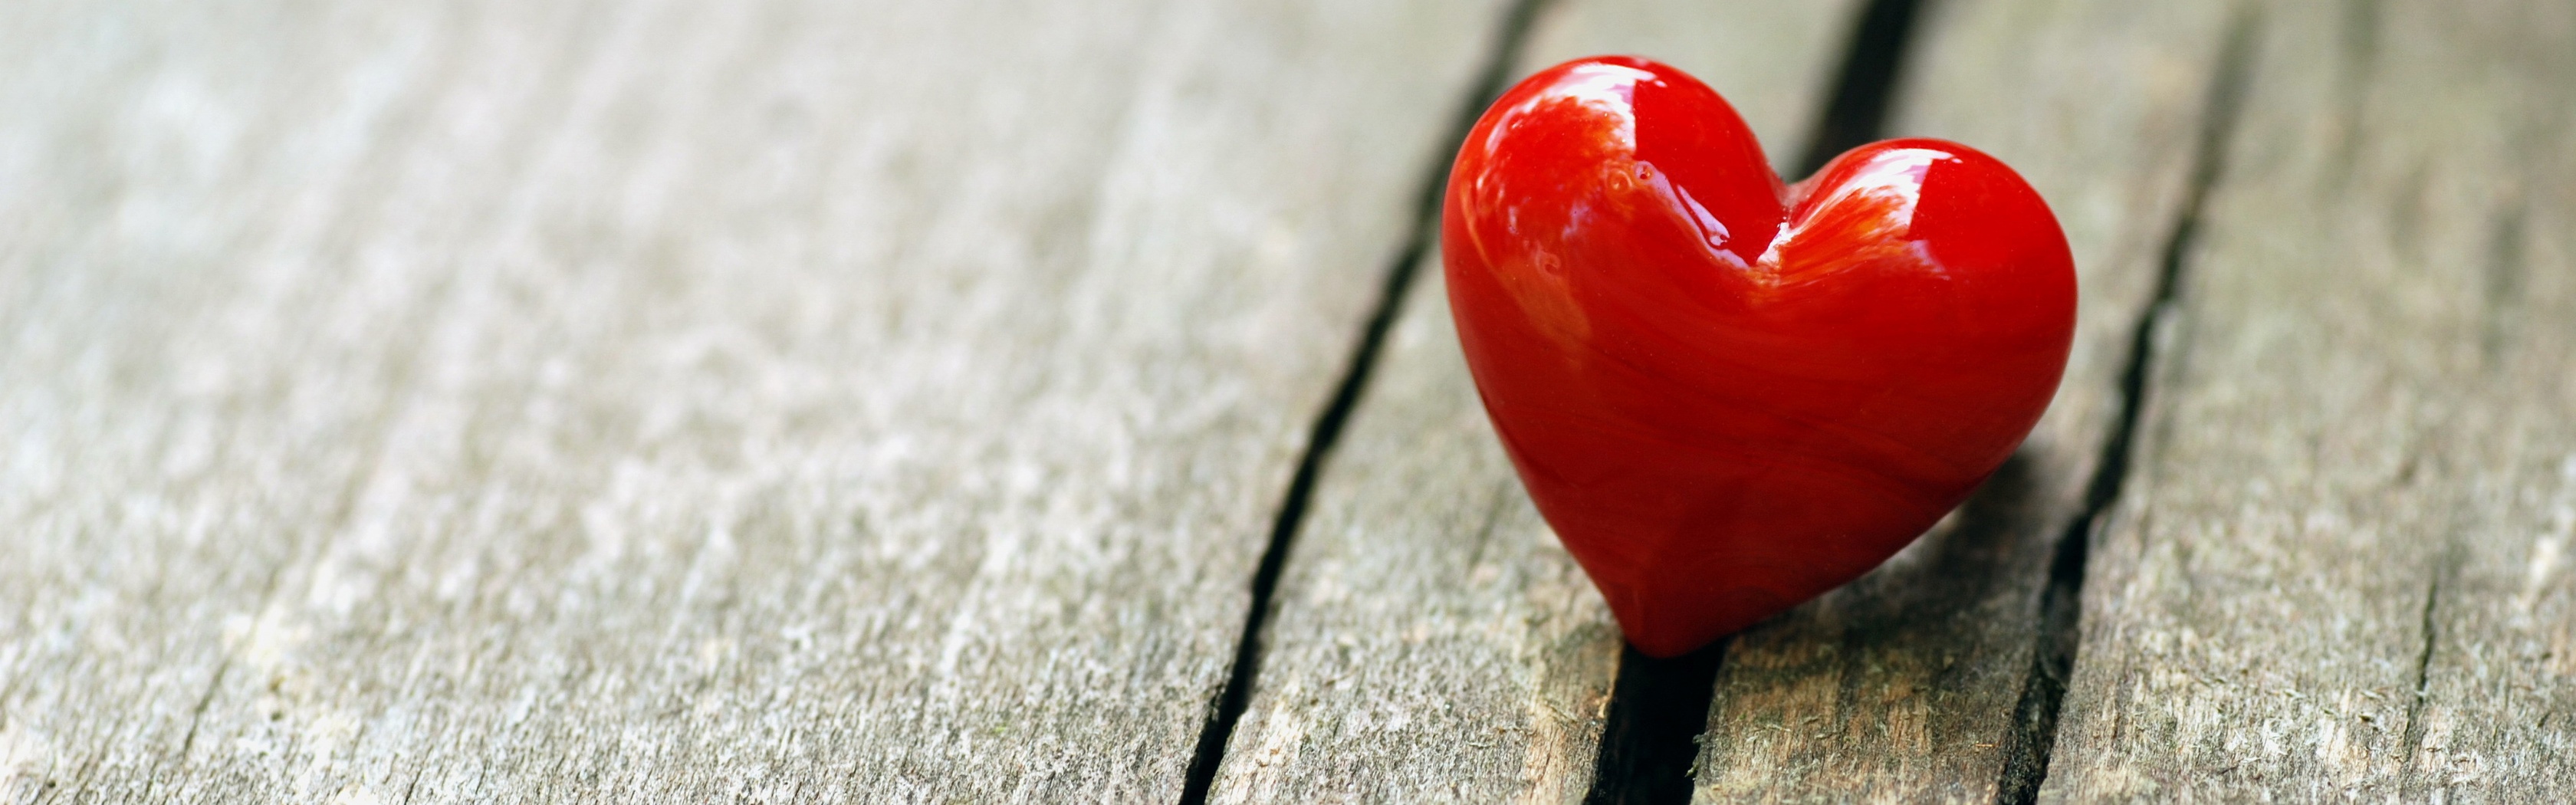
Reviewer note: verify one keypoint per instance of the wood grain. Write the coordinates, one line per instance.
(779, 401)
(2339, 573)
(1907, 685)
(1432, 642)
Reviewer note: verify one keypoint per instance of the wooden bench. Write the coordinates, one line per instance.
(991, 401)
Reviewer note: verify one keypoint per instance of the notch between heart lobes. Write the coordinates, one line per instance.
(1728, 394)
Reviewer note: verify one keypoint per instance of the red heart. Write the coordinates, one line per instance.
(1728, 395)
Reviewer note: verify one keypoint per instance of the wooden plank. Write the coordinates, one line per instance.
(1432, 642)
(2339, 574)
(1912, 683)
(790, 400)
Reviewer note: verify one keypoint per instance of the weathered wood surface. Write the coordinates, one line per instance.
(1432, 641)
(668, 402)
(1910, 684)
(2340, 571)
(797, 401)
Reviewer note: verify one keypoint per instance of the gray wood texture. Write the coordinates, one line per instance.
(668, 402)
(1432, 642)
(783, 401)
(2340, 572)
(1907, 685)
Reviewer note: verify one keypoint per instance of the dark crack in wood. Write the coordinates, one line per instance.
(1227, 710)
(1657, 709)
(2053, 662)
(1872, 65)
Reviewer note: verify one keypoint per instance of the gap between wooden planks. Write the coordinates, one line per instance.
(2337, 574)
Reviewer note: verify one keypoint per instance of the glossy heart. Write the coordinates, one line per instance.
(1728, 395)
